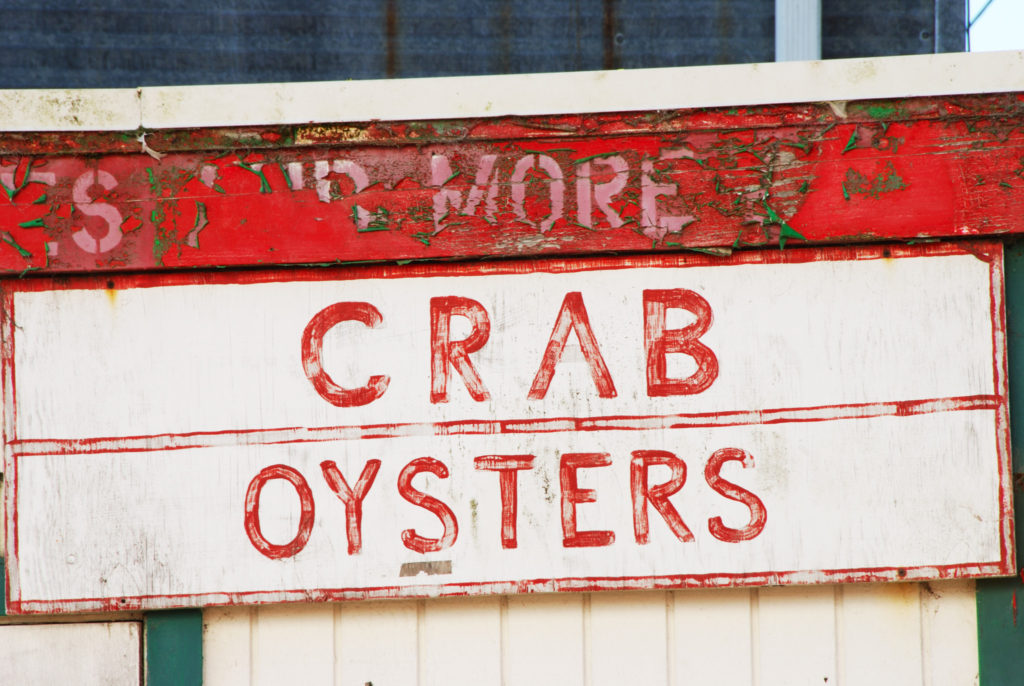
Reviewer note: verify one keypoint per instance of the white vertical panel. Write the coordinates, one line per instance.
(949, 628)
(460, 642)
(880, 631)
(712, 637)
(293, 644)
(94, 654)
(853, 634)
(227, 642)
(796, 636)
(544, 640)
(628, 638)
(376, 643)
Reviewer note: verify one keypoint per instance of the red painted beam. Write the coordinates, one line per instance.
(694, 179)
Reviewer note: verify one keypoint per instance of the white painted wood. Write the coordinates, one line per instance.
(484, 96)
(796, 636)
(628, 640)
(834, 331)
(855, 634)
(94, 654)
(460, 641)
(543, 640)
(711, 637)
(602, 91)
(949, 626)
(293, 645)
(844, 340)
(68, 109)
(880, 634)
(227, 644)
(376, 642)
(797, 30)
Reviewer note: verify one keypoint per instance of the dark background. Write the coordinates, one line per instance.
(75, 44)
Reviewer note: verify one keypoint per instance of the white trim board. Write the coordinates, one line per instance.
(515, 94)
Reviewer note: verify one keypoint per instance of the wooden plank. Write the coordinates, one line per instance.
(879, 634)
(949, 631)
(857, 408)
(795, 636)
(293, 644)
(93, 654)
(568, 184)
(543, 640)
(460, 642)
(617, 655)
(376, 642)
(712, 638)
(227, 646)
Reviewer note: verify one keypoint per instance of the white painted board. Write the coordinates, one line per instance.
(88, 654)
(836, 412)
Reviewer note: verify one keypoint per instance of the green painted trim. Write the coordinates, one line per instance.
(1001, 601)
(174, 648)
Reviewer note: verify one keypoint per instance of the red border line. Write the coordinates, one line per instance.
(1001, 384)
(543, 585)
(536, 264)
(823, 413)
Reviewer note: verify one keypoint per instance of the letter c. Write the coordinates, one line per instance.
(312, 362)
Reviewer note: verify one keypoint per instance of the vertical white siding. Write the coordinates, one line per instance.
(377, 642)
(872, 634)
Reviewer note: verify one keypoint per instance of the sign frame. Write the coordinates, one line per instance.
(990, 252)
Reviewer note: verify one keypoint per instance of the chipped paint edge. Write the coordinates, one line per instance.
(160, 107)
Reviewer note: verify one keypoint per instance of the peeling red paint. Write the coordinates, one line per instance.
(571, 184)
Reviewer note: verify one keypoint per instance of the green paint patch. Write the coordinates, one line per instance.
(785, 230)
(423, 237)
(887, 181)
(595, 157)
(154, 185)
(882, 111)
(18, 185)
(851, 143)
(264, 184)
(287, 178)
(379, 220)
(7, 238)
(40, 200)
(545, 152)
(33, 223)
(421, 213)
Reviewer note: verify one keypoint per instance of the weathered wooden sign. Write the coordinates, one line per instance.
(543, 185)
(774, 417)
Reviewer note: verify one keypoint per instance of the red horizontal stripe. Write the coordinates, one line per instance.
(207, 439)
